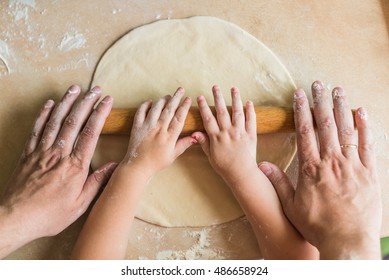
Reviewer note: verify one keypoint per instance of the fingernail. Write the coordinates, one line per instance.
(108, 99)
(194, 137)
(179, 90)
(73, 89)
(93, 92)
(362, 113)
(187, 99)
(215, 88)
(338, 92)
(96, 89)
(299, 93)
(234, 90)
(266, 169)
(317, 86)
(49, 104)
(193, 142)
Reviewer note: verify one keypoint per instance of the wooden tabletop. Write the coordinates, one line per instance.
(45, 46)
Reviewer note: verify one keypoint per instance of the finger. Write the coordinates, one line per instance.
(365, 139)
(251, 119)
(38, 127)
(281, 183)
(238, 119)
(325, 121)
(98, 179)
(203, 140)
(209, 121)
(183, 144)
(156, 109)
(141, 113)
(307, 149)
(222, 115)
(87, 140)
(177, 123)
(76, 120)
(57, 117)
(171, 107)
(344, 122)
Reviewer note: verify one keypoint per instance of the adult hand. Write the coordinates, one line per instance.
(336, 204)
(154, 142)
(50, 188)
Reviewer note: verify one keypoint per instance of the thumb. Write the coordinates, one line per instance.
(98, 179)
(183, 144)
(280, 182)
(203, 140)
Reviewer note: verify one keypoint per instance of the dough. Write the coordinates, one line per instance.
(195, 53)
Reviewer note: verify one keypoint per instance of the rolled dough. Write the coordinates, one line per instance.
(195, 53)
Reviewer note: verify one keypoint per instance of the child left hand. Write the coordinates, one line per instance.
(154, 142)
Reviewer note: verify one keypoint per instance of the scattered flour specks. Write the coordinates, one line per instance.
(199, 250)
(72, 40)
(19, 9)
(115, 11)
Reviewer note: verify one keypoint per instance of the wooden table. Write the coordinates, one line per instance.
(45, 47)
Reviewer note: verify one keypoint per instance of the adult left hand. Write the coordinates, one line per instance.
(51, 186)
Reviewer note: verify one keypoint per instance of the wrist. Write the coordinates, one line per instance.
(135, 169)
(139, 167)
(236, 175)
(359, 246)
(13, 233)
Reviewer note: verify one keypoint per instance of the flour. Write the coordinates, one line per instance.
(115, 11)
(200, 250)
(19, 9)
(72, 40)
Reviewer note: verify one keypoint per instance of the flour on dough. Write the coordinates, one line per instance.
(195, 53)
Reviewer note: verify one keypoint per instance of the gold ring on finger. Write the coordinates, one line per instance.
(352, 146)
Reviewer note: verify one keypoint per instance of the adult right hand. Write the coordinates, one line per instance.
(51, 186)
(336, 204)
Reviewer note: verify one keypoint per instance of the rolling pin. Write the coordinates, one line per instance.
(269, 120)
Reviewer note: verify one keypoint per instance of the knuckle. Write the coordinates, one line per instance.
(367, 147)
(305, 129)
(324, 124)
(88, 132)
(237, 113)
(71, 121)
(77, 161)
(309, 168)
(221, 112)
(348, 131)
(51, 125)
(208, 119)
(34, 134)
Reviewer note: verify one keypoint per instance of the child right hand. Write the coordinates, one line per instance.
(231, 141)
(154, 142)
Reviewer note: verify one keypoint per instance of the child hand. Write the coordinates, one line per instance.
(154, 140)
(232, 140)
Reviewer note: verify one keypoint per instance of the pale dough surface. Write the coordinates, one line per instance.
(195, 53)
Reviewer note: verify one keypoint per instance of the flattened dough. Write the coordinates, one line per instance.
(195, 53)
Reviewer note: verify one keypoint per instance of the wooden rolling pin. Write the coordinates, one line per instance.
(269, 120)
